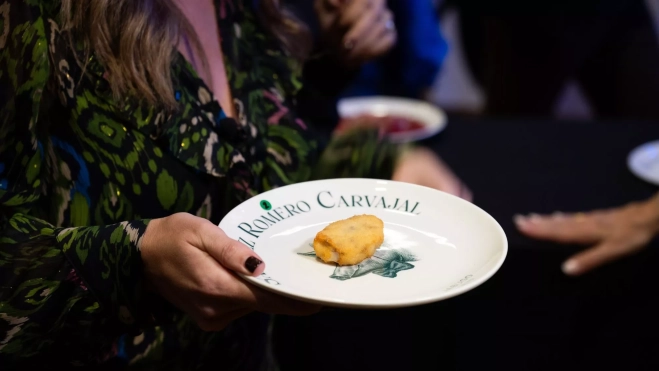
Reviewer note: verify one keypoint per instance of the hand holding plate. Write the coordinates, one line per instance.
(194, 265)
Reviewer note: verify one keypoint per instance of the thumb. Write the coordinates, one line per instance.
(592, 258)
(230, 253)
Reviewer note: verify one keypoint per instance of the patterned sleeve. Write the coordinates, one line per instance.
(360, 153)
(52, 280)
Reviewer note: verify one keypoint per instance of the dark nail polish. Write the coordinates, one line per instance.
(252, 263)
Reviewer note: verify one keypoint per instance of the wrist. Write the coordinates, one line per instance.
(159, 310)
(651, 210)
(148, 247)
(147, 241)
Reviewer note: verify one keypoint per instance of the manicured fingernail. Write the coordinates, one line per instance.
(519, 219)
(570, 267)
(252, 263)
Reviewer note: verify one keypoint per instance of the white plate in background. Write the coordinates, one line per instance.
(430, 116)
(643, 161)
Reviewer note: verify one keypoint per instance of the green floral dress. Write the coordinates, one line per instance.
(81, 174)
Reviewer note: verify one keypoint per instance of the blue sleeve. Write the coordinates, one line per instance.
(415, 61)
(421, 46)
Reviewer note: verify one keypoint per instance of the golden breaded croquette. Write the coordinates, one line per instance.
(349, 241)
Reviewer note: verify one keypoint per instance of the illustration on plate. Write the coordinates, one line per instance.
(385, 263)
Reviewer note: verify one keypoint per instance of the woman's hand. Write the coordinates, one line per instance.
(613, 233)
(356, 30)
(193, 264)
(421, 166)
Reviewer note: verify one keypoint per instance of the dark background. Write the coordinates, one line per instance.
(529, 316)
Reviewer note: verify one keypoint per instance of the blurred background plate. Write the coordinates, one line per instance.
(643, 161)
(411, 120)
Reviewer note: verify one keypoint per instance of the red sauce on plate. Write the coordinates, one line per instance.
(390, 124)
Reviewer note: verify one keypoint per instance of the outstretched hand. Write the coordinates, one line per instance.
(611, 234)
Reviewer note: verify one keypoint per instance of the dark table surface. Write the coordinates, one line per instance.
(529, 316)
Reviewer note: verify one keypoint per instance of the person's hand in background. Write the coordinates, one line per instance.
(612, 233)
(194, 265)
(357, 31)
(421, 166)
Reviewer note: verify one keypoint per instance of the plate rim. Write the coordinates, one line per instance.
(468, 286)
(429, 130)
(634, 153)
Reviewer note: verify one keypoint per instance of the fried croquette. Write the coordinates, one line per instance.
(349, 241)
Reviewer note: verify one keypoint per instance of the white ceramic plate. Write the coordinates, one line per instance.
(643, 161)
(436, 245)
(431, 117)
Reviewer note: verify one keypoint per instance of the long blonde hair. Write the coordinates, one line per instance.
(136, 40)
